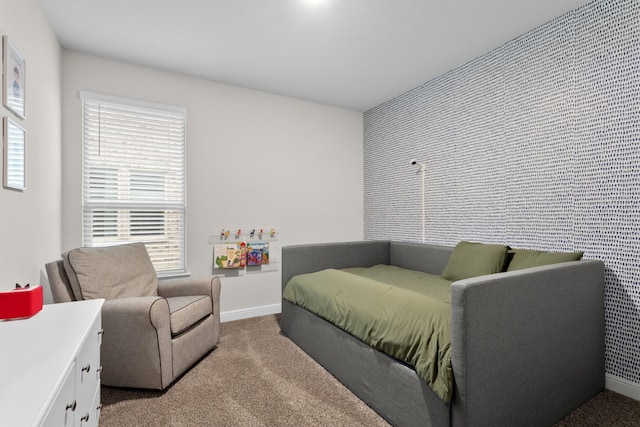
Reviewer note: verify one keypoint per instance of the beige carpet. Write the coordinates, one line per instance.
(607, 409)
(256, 377)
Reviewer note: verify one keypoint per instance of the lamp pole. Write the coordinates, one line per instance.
(423, 168)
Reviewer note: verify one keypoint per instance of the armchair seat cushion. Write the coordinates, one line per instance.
(186, 311)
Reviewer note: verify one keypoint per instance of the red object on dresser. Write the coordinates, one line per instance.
(20, 302)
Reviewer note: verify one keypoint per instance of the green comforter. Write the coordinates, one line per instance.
(403, 313)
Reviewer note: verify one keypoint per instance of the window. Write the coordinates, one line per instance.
(134, 177)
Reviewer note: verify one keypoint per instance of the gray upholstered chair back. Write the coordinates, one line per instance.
(59, 282)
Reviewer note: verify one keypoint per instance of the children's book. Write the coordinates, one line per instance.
(257, 253)
(230, 255)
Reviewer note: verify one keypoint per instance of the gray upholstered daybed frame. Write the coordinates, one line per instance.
(527, 346)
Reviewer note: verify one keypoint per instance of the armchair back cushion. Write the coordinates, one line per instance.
(111, 272)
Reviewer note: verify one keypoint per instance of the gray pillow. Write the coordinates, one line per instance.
(471, 259)
(111, 272)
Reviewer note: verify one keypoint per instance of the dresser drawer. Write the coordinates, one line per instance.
(88, 374)
(91, 416)
(63, 410)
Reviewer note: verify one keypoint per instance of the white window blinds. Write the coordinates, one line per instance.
(134, 177)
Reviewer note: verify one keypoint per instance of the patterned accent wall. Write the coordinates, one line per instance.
(535, 144)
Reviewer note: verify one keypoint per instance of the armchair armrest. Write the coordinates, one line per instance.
(526, 340)
(190, 286)
(145, 322)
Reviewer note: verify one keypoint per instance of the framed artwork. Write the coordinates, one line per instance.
(14, 79)
(15, 155)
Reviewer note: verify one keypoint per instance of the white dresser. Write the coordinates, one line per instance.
(50, 367)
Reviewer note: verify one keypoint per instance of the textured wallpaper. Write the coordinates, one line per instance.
(535, 144)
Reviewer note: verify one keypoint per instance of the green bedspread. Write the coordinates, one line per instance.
(403, 313)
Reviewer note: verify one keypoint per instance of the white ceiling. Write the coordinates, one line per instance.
(353, 54)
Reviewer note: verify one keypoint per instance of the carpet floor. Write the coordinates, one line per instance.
(257, 377)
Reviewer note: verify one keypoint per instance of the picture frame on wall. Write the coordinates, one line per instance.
(13, 78)
(14, 155)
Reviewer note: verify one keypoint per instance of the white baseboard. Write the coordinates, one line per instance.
(622, 386)
(246, 313)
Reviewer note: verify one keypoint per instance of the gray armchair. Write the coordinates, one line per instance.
(153, 330)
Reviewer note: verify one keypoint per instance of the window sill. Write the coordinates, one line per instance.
(168, 276)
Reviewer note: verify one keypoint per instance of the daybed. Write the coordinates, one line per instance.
(527, 346)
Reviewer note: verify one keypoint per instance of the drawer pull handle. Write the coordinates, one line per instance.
(86, 368)
(99, 408)
(71, 406)
(99, 369)
(85, 417)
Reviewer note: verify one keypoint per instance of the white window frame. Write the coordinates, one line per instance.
(119, 183)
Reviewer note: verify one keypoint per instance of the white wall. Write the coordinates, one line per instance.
(30, 220)
(253, 159)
